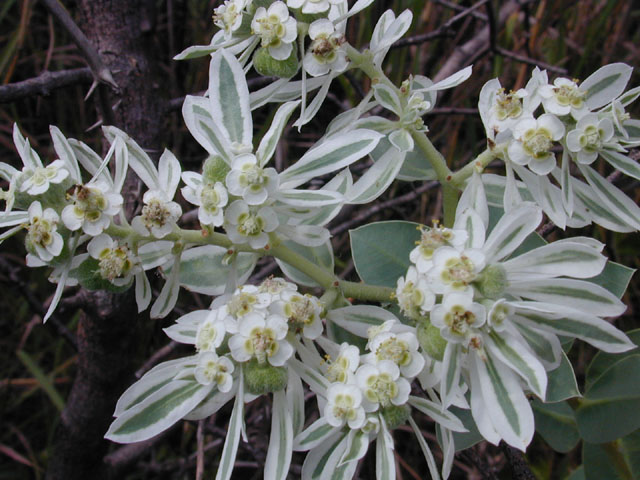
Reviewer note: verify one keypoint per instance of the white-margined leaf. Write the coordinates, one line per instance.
(623, 163)
(605, 84)
(576, 294)
(388, 98)
(565, 182)
(613, 198)
(295, 402)
(278, 459)
(230, 449)
(309, 111)
(139, 161)
(229, 97)
(154, 254)
(186, 327)
(470, 221)
(29, 156)
(333, 154)
(509, 350)
(143, 291)
(358, 319)
(545, 194)
(321, 255)
(121, 155)
(324, 457)
(474, 197)
(449, 82)
(151, 382)
(282, 91)
(169, 293)
(315, 434)
(377, 178)
(508, 407)
(157, 412)
(234, 45)
(426, 451)
(270, 140)
(480, 412)
(571, 259)
(389, 29)
(436, 412)
(402, 140)
(202, 126)
(385, 462)
(546, 345)
(169, 173)
(65, 153)
(597, 211)
(511, 230)
(341, 183)
(573, 323)
(316, 381)
(9, 219)
(7, 171)
(213, 402)
(451, 366)
(358, 446)
(89, 159)
(308, 198)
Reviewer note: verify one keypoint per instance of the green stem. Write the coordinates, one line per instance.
(617, 459)
(450, 199)
(435, 158)
(478, 164)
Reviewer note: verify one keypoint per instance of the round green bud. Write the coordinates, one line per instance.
(492, 281)
(261, 378)
(394, 415)
(268, 66)
(430, 339)
(215, 169)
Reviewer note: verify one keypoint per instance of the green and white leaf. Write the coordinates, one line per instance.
(270, 140)
(437, 413)
(385, 462)
(605, 84)
(230, 449)
(204, 128)
(623, 163)
(278, 459)
(426, 451)
(377, 178)
(312, 436)
(65, 153)
(358, 319)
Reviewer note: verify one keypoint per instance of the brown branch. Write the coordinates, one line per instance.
(44, 84)
(530, 61)
(518, 463)
(100, 72)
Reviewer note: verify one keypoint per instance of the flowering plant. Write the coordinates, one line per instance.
(466, 324)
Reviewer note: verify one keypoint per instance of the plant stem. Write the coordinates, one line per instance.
(450, 199)
(617, 459)
(435, 158)
(478, 164)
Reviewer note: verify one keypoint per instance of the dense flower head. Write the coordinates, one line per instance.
(42, 232)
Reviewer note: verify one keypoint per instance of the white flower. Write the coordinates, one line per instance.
(325, 52)
(457, 317)
(116, 262)
(228, 16)
(246, 299)
(216, 370)
(453, 270)
(210, 333)
(43, 233)
(400, 348)
(250, 181)
(312, 6)
(433, 238)
(301, 311)
(590, 137)
(93, 206)
(210, 198)
(343, 368)
(36, 181)
(249, 225)
(499, 312)
(414, 294)
(382, 385)
(344, 405)
(159, 215)
(563, 97)
(274, 286)
(276, 29)
(261, 338)
(533, 141)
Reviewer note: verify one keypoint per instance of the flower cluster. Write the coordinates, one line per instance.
(586, 120)
(490, 315)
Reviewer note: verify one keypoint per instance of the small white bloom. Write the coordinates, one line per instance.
(93, 207)
(274, 286)
(382, 385)
(159, 215)
(36, 181)
(458, 316)
(590, 137)
(454, 270)
(499, 312)
(246, 299)
(43, 233)
(343, 368)
(228, 16)
(563, 97)
(414, 294)
(301, 311)
(116, 262)
(216, 370)
(261, 338)
(400, 348)
(312, 6)
(276, 29)
(210, 333)
(250, 181)
(533, 141)
(325, 52)
(433, 238)
(248, 225)
(210, 198)
(344, 405)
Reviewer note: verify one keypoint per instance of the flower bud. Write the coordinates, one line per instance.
(261, 378)
(430, 339)
(396, 415)
(215, 169)
(268, 66)
(492, 281)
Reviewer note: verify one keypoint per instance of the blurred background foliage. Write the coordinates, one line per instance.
(37, 362)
